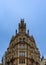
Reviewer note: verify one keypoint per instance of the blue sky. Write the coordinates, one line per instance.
(34, 14)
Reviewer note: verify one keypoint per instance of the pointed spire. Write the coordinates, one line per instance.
(28, 32)
(16, 32)
(22, 26)
(22, 21)
(42, 58)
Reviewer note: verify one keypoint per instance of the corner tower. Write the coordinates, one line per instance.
(22, 49)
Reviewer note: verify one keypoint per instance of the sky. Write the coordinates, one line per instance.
(34, 14)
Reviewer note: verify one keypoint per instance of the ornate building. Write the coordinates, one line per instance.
(22, 49)
(43, 61)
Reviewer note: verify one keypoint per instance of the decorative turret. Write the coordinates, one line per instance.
(22, 49)
(22, 26)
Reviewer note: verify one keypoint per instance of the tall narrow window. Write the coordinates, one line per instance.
(20, 39)
(21, 61)
(23, 39)
(21, 54)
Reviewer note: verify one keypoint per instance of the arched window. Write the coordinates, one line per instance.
(21, 46)
(21, 39)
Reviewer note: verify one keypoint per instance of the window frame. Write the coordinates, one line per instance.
(22, 61)
(21, 53)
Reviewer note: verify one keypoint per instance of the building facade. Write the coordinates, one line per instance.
(22, 49)
(4, 59)
(43, 61)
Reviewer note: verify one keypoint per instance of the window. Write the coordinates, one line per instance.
(21, 54)
(22, 46)
(37, 63)
(21, 39)
(21, 61)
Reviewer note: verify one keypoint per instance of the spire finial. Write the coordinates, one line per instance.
(22, 26)
(28, 32)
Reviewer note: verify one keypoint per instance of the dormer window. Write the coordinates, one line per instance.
(21, 39)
